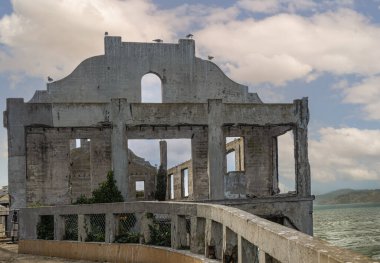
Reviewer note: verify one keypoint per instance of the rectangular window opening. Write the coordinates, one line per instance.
(286, 163)
(140, 189)
(185, 182)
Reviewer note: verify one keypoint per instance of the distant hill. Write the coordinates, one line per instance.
(348, 196)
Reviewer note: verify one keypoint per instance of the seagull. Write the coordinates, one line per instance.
(189, 36)
(106, 33)
(210, 57)
(158, 40)
(50, 79)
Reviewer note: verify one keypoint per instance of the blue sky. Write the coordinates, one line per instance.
(283, 50)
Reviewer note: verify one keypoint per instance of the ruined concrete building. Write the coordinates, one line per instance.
(100, 104)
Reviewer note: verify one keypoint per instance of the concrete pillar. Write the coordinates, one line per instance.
(247, 252)
(59, 227)
(230, 245)
(199, 164)
(197, 243)
(27, 224)
(82, 226)
(110, 230)
(216, 150)
(164, 155)
(119, 114)
(178, 232)
(214, 239)
(14, 122)
(301, 149)
(146, 220)
(259, 162)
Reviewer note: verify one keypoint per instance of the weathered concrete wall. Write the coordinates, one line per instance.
(118, 74)
(105, 252)
(58, 175)
(176, 171)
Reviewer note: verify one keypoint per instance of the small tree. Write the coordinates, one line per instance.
(106, 193)
(160, 193)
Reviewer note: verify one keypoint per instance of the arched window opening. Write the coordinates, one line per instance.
(151, 91)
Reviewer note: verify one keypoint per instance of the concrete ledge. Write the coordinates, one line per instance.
(108, 252)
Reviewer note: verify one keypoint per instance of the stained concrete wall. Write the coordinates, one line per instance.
(58, 175)
(118, 74)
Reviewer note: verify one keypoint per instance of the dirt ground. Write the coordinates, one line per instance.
(8, 253)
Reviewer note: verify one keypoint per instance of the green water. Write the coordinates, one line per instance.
(352, 226)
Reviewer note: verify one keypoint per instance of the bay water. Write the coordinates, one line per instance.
(352, 226)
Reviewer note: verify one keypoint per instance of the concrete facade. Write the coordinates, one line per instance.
(101, 101)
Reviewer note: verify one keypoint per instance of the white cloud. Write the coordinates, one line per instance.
(367, 94)
(51, 37)
(345, 153)
(340, 154)
(275, 6)
(285, 47)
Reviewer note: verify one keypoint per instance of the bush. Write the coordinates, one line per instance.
(106, 193)
(45, 228)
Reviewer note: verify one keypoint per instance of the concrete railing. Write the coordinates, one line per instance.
(214, 231)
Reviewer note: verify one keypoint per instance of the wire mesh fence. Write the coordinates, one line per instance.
(160, 230)
(127, 229)
(45, 227)
(71, 227)
(95, 227)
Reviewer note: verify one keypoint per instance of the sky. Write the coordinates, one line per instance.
(325, 50)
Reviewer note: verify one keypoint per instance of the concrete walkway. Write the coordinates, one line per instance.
(8, 253)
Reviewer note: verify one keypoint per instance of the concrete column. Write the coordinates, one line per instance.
(178, 232)
(259, 162)
(119, 114)
(59, 227)
(145, 231)
(214, 239)
(14, 122)
(197, 243)
(230, 245)
(82, 233)
(110, 228)
(216, 150)
(27, 224)
(247, 252)
(199, 163)
(301, 149)
(164, 155)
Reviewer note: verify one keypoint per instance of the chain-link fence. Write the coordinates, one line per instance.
(71, 227)
(95, 227)
(160, 230)
(127, 229)
(45, 227)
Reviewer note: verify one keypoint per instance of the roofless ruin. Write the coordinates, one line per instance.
(100, 103)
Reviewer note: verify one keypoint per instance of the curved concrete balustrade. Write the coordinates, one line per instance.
(214, 230)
